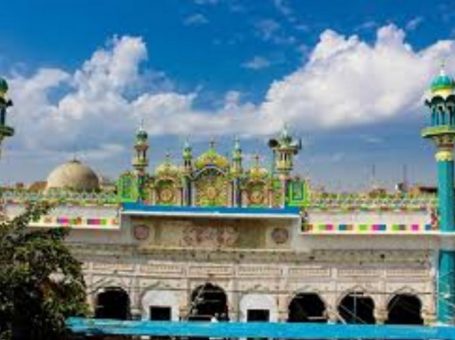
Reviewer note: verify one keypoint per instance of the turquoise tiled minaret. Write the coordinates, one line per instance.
(441, 101)
(5, 102)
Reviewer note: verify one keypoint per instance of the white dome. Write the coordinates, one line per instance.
(73, 175)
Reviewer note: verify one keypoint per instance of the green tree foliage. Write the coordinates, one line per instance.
(41, 283)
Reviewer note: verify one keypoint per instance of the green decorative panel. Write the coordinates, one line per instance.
(166, 192)
(127, 188)
(212, 188)
(277, 197)
(297, 195)
(257, 194)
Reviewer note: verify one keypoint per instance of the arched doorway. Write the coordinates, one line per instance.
(307, 307)
(112, 303)
(404, 309)
(356, 307)
(208, 300)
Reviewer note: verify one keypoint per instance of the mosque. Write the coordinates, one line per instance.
(212, 236)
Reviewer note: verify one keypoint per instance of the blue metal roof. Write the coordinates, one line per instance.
(156, 209)
(258, 330)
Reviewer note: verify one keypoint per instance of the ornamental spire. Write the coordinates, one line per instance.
(442, 67)
(187, 155)
(140, 160)
(237, 157)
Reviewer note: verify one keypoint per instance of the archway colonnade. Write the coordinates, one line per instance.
(208, 301)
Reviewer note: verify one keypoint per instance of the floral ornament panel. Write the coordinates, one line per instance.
(210, 236)
(166, 192)
(212, 188)
(257, 194)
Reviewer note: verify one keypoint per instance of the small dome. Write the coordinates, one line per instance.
(256, 171)
(212, 158)
(442, 84)
(73, 175)
(141, 134)
(167, 169)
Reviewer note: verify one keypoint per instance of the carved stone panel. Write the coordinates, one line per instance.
(210, 236)
(259, 271)
(296, 272)
(206, 271)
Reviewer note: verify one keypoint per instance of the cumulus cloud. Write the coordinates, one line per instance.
(343, 82)
(257, 63)
(349, 82)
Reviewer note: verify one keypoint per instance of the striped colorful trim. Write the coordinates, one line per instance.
(78, 221)
(365, 228)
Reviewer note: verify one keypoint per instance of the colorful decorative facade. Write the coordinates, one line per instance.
(210, 235)
(212, 179)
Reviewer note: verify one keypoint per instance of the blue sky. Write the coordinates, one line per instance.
(346, 76)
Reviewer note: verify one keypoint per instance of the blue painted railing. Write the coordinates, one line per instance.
(215, 210)
(258, 330)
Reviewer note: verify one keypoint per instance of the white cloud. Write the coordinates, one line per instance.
(348, 82)
(344, 82)
(257, 63)
(196, 20)
(271, 31)
(412, 24)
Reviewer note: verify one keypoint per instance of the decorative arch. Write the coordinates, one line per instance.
(112, 302)
(307, 307)
(357, 307)
(208, 300)
(404, 309)
(107, 282)
(354, 288)
(309, 289)
(211, 187)
(403, 290)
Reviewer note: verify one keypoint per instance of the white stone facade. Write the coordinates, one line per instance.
(164, 260)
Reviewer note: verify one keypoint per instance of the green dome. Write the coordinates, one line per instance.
(3, 85)
(141, 134)
(442, 82)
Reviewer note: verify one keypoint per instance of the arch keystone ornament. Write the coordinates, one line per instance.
(441, 131)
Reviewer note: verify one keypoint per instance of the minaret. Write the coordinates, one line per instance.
(236, 167)
(187, 155)
(236, 172)
(5, 102)
(140, 160)
(284, 149)
(441, 130)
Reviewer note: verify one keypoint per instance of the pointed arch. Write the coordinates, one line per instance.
(357, 307)
(208, 300)
(404, 309)
(112, 303)
(307, 307)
